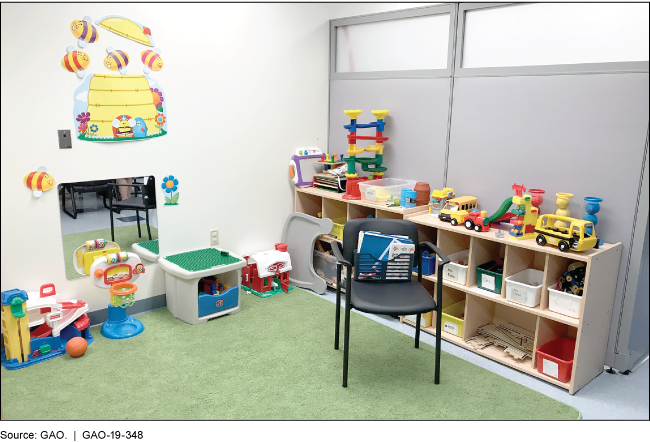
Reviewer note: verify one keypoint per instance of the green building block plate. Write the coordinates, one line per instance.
(203, 259)
(152, 246)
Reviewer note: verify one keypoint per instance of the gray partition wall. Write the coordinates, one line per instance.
(576, 128)
(581, 134)
(416, 125)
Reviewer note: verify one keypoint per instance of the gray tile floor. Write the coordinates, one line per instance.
(608, 396)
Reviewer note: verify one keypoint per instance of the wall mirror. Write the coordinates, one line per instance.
(107, 216)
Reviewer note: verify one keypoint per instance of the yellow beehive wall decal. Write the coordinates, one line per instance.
(111, 96)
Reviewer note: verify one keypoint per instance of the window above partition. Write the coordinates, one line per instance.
(402, 44)
(538, 38)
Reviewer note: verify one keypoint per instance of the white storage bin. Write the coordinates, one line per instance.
(564, 303)
(525, 287)
(456, 272)
(386, 189)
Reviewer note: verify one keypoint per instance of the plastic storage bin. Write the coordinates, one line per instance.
(452, 318)
(488, 279)
(386, 189)
(555, 358)
(337, 230)
(525, 287)
(456, 272)
(564, 303)
(427, 319)
(428, 264)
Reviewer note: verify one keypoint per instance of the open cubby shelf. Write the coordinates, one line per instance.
(482, 307)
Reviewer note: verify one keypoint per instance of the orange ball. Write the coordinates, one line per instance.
(76, 347)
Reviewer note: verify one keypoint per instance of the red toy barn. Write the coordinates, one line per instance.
(263, 267)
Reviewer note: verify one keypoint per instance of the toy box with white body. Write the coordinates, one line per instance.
(36, 326)
(267, 273)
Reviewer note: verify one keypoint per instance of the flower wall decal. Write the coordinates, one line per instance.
(169, 186)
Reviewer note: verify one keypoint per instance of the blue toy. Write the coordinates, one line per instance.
(592, 207)
(140, 128)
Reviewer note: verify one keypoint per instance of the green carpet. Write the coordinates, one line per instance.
(124, 236)
(273, 360)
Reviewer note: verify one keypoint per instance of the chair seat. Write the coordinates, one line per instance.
(393, 298)
(131, 203)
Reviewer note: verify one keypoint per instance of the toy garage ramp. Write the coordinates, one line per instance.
(111, 96)
(503, 209)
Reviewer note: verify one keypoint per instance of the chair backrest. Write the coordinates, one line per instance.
(149, 194)
(387, 226)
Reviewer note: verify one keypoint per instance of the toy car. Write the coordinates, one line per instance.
(565, 232)
(457, 209)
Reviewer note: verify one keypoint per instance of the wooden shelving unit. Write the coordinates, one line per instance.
(483, 307)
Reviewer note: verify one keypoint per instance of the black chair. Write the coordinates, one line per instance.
(146, 201)
(100, 187)
(383, 297)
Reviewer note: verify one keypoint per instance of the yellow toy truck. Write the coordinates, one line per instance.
(574, 237)
(457, 209)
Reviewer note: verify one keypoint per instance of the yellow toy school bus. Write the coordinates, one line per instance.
(573, 237)
(457, 209)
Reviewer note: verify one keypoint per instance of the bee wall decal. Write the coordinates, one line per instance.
(39, 181)
(75, 61)
(85, 31)
(151, 60)
(116, 60)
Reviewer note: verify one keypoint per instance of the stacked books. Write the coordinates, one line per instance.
(384, 247)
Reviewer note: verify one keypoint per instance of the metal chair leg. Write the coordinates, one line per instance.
(337, 321)
(417, 330)
(148, 228)
(346, 341)
(110, 203)
(137, 218)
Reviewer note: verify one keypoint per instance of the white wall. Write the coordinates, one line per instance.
(246, 84)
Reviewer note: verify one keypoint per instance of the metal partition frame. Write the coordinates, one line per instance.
(396, 15)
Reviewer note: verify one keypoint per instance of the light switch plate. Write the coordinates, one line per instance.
(65, 139)
(214, 237)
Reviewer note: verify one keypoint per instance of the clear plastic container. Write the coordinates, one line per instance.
(386, 189)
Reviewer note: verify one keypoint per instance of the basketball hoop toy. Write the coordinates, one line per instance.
(116, 272)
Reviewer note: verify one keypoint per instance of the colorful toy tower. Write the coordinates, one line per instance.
(15, 325)
(372, 165)
(526, 214)
(592, 207)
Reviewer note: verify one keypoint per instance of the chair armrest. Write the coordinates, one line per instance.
(436, 250)
(338, 254)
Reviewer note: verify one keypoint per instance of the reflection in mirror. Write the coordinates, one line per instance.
(107, 216)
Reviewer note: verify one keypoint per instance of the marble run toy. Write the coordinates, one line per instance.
(267, 273)
(36, 326)
(115, 273)
(372, 165)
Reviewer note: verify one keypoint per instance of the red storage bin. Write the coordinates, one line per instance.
(555, 358)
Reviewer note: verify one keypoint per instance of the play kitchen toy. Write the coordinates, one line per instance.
(116, 272)
(36, 326)
(183, 275)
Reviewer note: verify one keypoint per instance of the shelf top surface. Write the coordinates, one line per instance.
(429, 220)
(366, 203)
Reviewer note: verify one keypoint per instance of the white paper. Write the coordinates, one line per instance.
(550, 368)
(452, 328)
(487, 282)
